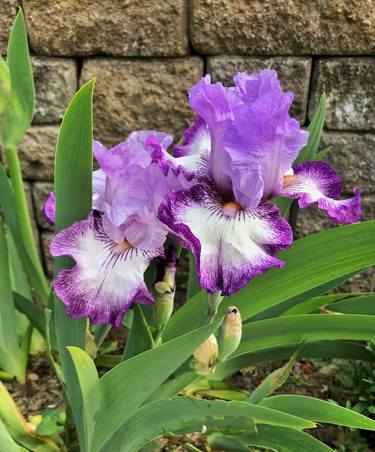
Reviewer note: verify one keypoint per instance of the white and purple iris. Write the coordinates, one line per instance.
(113, 247)
(240, 153)
(213, 195)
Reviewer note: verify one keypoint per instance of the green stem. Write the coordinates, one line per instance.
(158, 338)
(101, 333)
(15, 174)
(214, 300)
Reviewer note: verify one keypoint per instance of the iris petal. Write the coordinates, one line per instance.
(49, 208)
(191, 156)
(317, 182)
(230, 245)
(107, 277)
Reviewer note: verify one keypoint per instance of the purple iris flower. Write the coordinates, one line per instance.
(238, 155)
(113, 247)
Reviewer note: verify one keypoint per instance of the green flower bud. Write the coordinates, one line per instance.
(230, 333)
(164, 289)
(205, 357)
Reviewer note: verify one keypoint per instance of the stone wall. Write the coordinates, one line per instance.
(145, 54)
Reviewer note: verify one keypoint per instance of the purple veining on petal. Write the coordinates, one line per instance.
(49, 209)
(107, 277)
(190, 158)
(151, 136)
(196, 140)
(317, 182)
(230, 245)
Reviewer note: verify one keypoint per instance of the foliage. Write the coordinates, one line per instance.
(152, 387)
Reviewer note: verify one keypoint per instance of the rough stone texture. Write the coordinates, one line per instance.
(353, 157)
(294, 74)
(46, 238)
(8, 11)
(114, 27)
(37, 153)
(284, 27)
(55, 84)
(350, 87)
(137, 94)
(363, 282)
(40, 193)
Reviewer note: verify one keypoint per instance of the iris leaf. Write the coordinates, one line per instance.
(274, 380)
(308, 153)
(73, 192)
(34, 314)
(318, 410)
(21, 431)
(277, 438)
(17, 119)
(314, 349)
(162, 416)
(313, 304)
(364, 304)
(7, 442)
(280, 331)
(140, 338)
(7, 203)
(193, 286)
(313, 265)
(88, 379)
(127, 386)
(9, 349)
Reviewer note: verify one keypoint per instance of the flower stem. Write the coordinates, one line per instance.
(15, 174)
(214, 300)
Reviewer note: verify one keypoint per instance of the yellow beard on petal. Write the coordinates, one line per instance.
(289, 180)
(231, 208)
(125, 245)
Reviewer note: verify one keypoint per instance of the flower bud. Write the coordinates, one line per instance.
(205, 356)
(165, 288)
(230, 333)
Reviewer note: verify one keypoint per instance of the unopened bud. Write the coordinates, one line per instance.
(205, 356)
(165, 288)
(230, 333)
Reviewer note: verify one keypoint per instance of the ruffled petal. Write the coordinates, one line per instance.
(150, 136)
(49, 209)
(215, 103)
(196, 140)
(107, 277)
(263, 132)
(190, 158)
(118, 159)
(317, 182)
(230, 245)
(98, 189)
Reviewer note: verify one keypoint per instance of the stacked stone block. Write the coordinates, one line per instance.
(146, 54)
